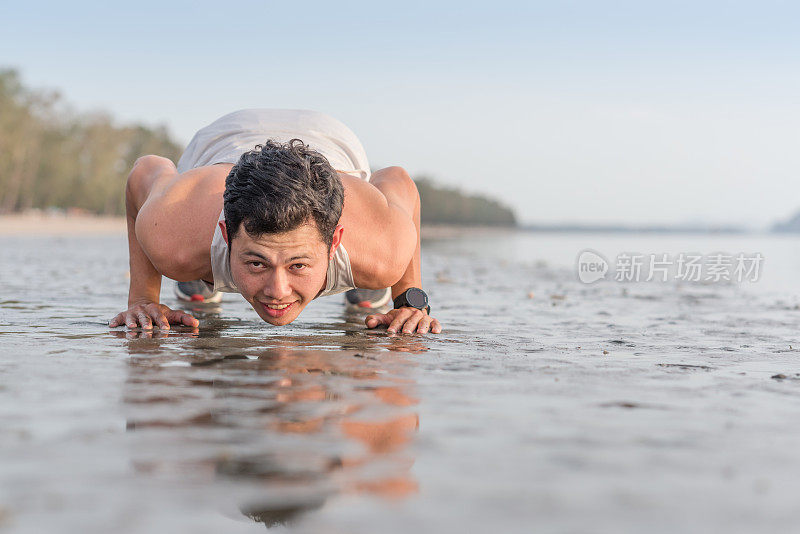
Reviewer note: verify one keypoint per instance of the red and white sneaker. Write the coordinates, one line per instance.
(369, 300)
(196, 291)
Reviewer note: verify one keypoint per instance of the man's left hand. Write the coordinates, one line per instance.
(405, 320)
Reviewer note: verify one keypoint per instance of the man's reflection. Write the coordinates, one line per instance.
(296, 424)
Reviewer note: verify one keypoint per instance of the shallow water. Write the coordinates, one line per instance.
(546, 404)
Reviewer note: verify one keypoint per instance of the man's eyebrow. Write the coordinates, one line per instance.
(303, 256)
(254, 253)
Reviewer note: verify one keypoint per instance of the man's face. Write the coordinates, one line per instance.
(279, 274)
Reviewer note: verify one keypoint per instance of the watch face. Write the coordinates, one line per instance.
(417, 298)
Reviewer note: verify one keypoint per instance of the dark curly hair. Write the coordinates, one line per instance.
(278, 187)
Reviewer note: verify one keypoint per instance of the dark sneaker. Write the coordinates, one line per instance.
(368, 299)
(196, 291)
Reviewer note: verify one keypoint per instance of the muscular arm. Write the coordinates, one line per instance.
(380, 235)
(382, 220)
(402, 196)
(145, 280)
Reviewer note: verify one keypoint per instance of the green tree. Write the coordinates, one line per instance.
(51, 157)
(444, 205)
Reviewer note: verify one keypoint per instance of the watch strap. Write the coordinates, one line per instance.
(401, 301)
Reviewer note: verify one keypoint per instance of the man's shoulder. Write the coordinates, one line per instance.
(176, 226)
(378, 234)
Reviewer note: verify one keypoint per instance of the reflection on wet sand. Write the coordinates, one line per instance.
(299, 421)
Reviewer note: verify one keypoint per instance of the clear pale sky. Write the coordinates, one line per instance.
(606, 112)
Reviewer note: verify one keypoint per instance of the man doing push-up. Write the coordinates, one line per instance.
(279, 206)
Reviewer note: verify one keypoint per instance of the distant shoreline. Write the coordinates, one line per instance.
(619, 229)
(72, 224)
(60, 224)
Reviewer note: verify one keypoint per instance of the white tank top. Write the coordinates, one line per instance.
(227, 138)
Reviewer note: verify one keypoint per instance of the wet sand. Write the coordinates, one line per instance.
(546, 404)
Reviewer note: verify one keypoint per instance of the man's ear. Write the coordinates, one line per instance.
(337, 240)
(224, 232)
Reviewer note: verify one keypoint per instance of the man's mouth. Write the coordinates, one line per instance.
(277, 310)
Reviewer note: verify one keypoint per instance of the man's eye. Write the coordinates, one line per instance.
(256, 264)
(298, 266)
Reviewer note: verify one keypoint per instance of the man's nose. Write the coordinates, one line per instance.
(277, 286)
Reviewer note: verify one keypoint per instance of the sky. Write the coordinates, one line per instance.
(628, 112)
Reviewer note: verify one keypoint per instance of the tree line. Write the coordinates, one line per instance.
(54, 158)
(444, 205)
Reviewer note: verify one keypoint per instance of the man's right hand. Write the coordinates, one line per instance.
(147, 314)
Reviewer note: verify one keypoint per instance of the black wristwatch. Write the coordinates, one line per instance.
(413, 297)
